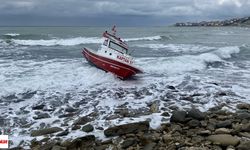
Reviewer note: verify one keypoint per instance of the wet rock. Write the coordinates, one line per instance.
(10, 97)
(18, 100)
(197, 139)
(221, 94)
(70, 109)
(244, 134)
(63, 133)
(28, 94)
(243, 115)
(122, 111)
(99, 128)
(224, 124)
(171, 87)
(112, 117)
(45, 131)
(127, 128)
(244, 106)
(66, 143)
(187, 98)
(149, 146)
(244, 145)
(167, 138)
(56, 147)
(196, 114)
(193, 123)
(211, 127)
(166, 114)
(102, 147)
(178, 116)
(175, 108)
(66, 115)
(150, 137)
(88, 128)
(216, 108)
(38, 107)
(85, 142)
(205, 132)
(82, 120)
(223, 139)
(154, 107)
(246, 127)
(222, 131)
(41, 116)
(128, 142)
(76, 127)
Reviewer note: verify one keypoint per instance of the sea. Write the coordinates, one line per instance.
(183, 67)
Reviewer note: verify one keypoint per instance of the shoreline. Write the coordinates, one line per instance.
(216, 128)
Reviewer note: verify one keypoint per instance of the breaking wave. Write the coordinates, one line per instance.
(63, 42)
(20, 76)
(73, 41)
(12, 34)
(185, 63)
(177, 47)
(150, 38)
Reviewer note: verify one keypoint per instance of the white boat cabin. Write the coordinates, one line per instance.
(115, 49)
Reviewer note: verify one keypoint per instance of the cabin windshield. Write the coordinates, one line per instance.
(117, 47)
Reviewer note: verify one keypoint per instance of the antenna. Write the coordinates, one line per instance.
(114, 30)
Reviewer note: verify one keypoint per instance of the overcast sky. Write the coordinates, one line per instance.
(120, 12)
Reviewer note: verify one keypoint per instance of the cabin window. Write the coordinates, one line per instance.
(117, 47)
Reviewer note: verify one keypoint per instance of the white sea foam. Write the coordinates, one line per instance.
(58, 76)
(12, 34)
(184, 63)
(73, 41)
(178, 47)
(64, 42)
(26, 75)
(150, 38)
(226, 52)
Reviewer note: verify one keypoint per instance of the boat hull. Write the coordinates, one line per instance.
(121, 70)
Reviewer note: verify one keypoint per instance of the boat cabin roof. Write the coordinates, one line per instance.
(115, 40)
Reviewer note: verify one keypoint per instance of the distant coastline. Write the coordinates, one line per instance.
(231, 22)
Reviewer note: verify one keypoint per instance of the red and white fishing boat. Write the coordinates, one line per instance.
(112, 56)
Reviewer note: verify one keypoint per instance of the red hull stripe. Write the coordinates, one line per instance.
(117, 65)
(114, 62)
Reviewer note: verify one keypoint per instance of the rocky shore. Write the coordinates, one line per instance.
(217, 129)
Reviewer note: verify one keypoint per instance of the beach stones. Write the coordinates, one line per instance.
(224, 124)
(82, 120)
(196, 114)
(45, 131)
(244, 145)
(245, 106)
(178, 116)
(223, 139)
(127, 128)
(87, 128)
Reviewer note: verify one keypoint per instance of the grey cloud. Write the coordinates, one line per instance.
(129, 10)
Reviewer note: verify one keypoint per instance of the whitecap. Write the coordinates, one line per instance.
(73, 41)
(178, 47)
(12, 34)
(226, 52)
(149, 38)
(63, 42)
